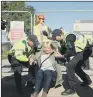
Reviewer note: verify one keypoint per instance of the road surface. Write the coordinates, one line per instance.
(8, 85)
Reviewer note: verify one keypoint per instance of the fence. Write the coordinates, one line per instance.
(5, 47)
(51, 14)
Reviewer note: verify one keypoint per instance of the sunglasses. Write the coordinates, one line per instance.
(41, 18)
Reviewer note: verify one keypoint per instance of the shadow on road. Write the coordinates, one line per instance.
(81, 91)
(84, 91)
(8, 87)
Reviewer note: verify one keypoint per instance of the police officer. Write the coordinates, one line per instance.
(78, 53)
(19, 56)
(58, 36)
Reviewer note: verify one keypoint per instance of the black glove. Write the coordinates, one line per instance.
(45, 33)
(13, 52)
(35, 48)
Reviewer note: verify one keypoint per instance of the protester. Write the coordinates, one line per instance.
(49, 71)
(41, 30)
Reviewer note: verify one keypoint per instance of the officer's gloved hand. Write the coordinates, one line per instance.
(35, 48)
(24, 53)
(45, 33)
(13, 52)
(39, 47)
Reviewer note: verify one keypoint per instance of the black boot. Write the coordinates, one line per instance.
(68, 92)
(30, 82)
(86, 83)
(17, 78)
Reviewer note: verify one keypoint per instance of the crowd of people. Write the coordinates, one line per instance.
(44, 52)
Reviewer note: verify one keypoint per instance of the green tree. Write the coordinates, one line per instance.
(18, 6)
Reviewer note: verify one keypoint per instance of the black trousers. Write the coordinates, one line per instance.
(74, 66)
(86, 65)
(17, 67)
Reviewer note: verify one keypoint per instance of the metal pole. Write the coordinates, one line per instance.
(53, 11)
(31, 26)
(34, 19)
(20, 12)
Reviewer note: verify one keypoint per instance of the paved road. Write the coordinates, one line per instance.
(8, 85)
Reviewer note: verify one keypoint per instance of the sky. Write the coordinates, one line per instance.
(63, 19)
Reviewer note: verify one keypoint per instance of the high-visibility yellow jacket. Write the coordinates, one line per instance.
(89, 38)
(38, 32)
(21, 50)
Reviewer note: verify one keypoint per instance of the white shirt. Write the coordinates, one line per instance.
(47, 65)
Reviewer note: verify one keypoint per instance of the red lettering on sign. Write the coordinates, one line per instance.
(17, 34)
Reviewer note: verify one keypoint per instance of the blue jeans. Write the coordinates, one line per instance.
(43, 80)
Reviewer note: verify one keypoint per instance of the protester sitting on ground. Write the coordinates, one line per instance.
(49, 71)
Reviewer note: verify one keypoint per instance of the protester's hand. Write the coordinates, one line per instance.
(31, 60)
(58, 55)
